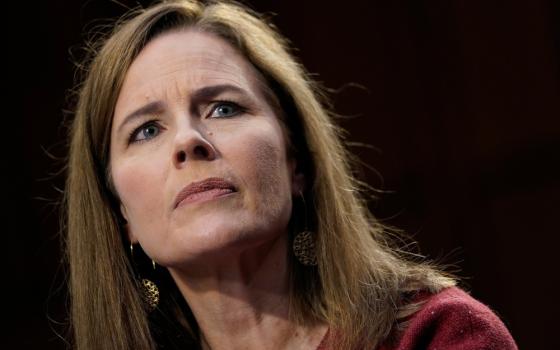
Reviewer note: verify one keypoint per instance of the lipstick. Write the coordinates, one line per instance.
(206, 189)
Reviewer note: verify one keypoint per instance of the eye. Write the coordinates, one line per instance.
(225, 109)
(145, 132)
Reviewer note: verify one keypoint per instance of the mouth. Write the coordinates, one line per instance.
(206, 189)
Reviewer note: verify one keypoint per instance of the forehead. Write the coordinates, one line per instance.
(186, 58)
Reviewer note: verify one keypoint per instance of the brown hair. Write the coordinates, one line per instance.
(361, 280)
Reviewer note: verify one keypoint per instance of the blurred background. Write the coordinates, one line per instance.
(458, 100)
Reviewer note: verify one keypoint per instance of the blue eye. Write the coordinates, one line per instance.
(225, 109)
(145, 132)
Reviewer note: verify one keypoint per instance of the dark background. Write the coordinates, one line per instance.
(460, 100)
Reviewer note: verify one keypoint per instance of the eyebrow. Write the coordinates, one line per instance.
(203, 94)
(150, 108)
(210, 92)
(214, 90)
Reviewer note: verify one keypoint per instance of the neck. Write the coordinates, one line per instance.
(244, 303)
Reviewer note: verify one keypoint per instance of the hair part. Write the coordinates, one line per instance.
(362, 280)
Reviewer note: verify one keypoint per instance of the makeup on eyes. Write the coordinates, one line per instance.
(203, 103)
(212, 108)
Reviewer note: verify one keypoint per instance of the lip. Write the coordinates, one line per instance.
(206, 189)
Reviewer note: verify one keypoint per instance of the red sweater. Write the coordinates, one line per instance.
(452, 320)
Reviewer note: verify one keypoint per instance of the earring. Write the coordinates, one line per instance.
(303, 245)
(304, 248)
(149, 292)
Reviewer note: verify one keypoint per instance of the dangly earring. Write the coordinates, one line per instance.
(149, 291)
(304, 243)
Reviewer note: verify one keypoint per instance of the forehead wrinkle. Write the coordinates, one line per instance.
(241, 74)
(190, 64)
(220, 70)
(201, 76)
(180, 73)
(195, 76)
(183, 64)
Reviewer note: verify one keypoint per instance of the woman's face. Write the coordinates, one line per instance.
(198, 156)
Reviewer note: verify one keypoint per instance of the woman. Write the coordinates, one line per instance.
(211, 205)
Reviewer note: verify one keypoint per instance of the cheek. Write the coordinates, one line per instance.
(269, 164)
(265, 168)
(138, 184)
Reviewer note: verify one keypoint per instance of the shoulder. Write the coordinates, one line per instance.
(452, 319)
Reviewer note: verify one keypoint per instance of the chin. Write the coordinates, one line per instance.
(211, 241)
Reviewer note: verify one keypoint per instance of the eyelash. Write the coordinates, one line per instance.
(154, 122)
(134, 133)
(237, 106)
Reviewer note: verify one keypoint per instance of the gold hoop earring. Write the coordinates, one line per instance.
(303, 245)
(150, 294)
(304, 248)
(149, 291)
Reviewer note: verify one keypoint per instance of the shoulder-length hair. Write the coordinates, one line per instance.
(360, 284)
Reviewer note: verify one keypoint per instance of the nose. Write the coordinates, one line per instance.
(191, 144)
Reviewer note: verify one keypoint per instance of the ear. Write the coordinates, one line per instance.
(129, 234)
(297, 176)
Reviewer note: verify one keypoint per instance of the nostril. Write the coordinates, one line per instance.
(201, 152)
(181, 156)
